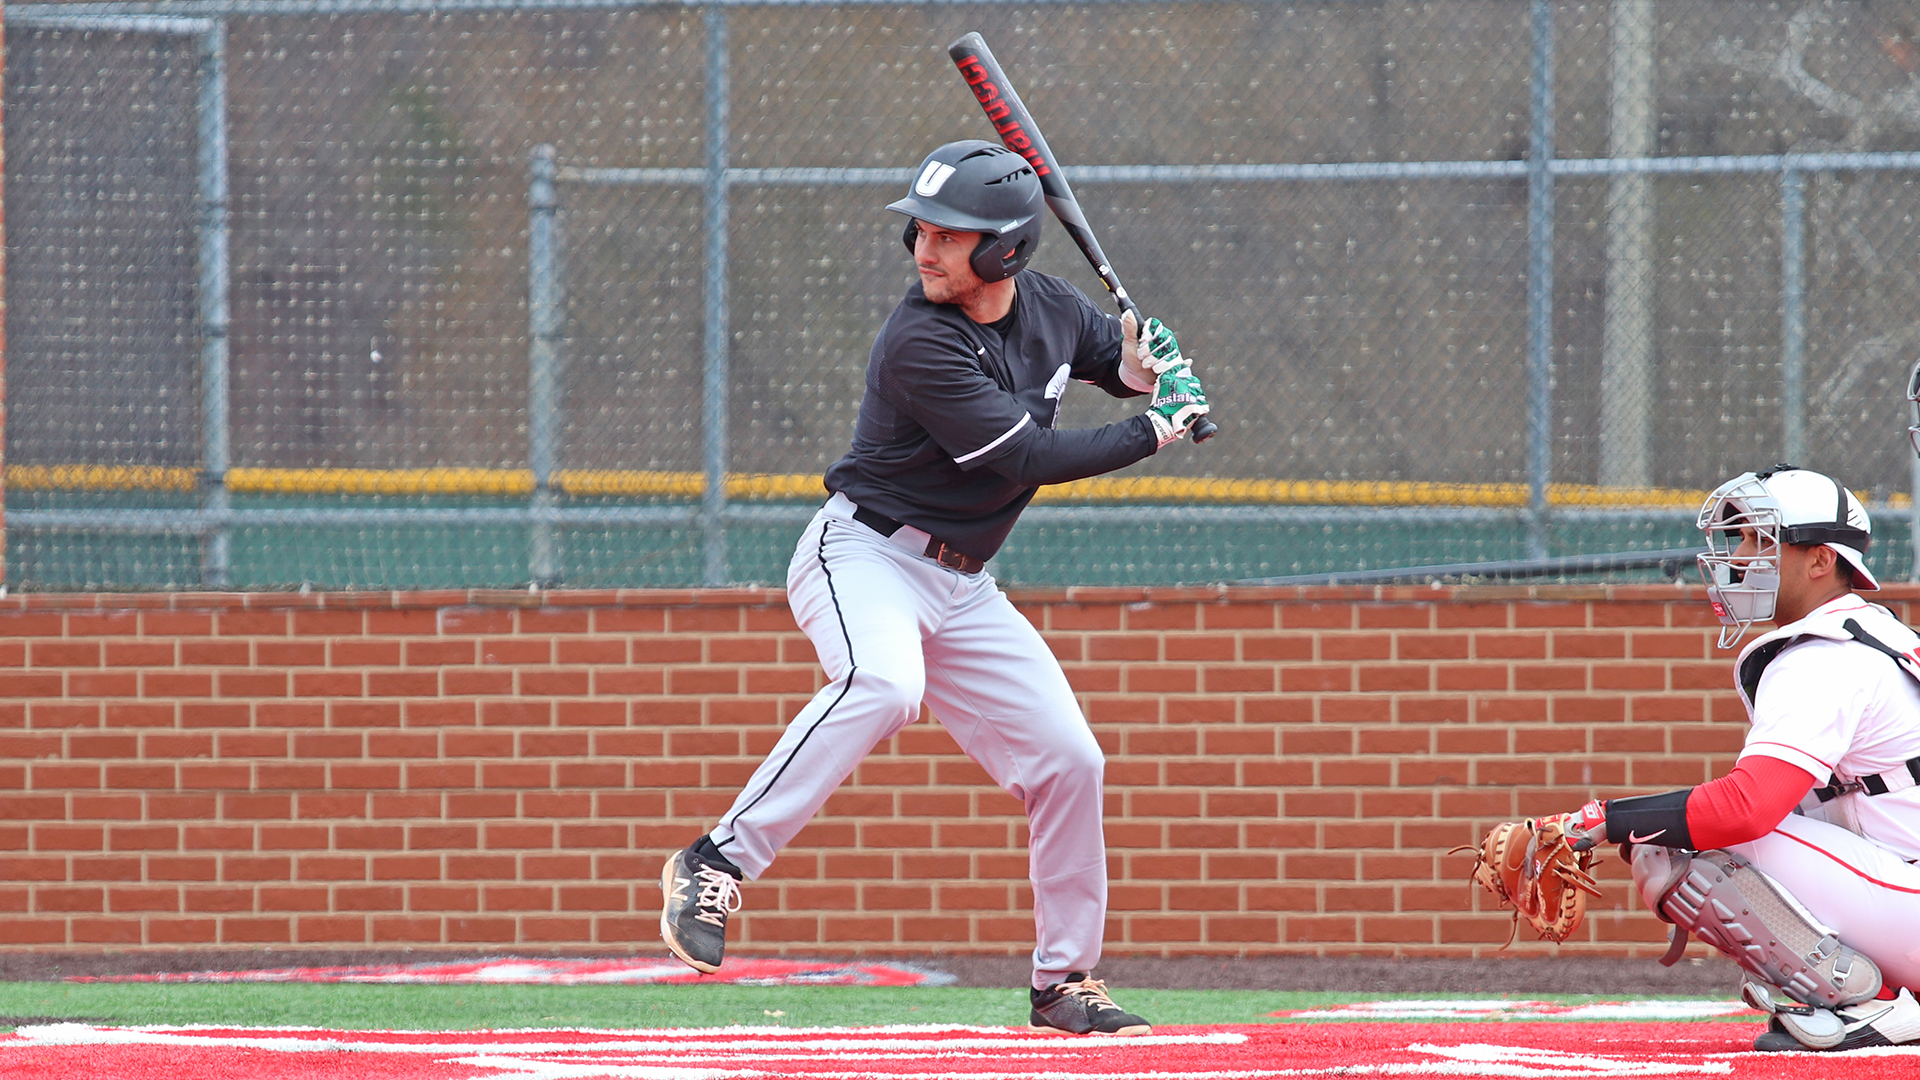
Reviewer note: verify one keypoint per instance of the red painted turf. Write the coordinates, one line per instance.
(622, 971)
(1542, 1049)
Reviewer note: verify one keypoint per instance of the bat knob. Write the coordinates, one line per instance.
(1204, 429)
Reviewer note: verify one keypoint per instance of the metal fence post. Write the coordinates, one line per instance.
(1627, 389)
(1913, 517)
(713, 501)
(1793, 313)
(543, 358)
(1540, 284)
(215, 278)
(1913, 482)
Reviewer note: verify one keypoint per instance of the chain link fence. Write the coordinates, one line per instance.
(465, 293)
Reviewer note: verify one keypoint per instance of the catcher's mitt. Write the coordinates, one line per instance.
(1532, 867)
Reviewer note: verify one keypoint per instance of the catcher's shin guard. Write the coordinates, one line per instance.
(1734, 907)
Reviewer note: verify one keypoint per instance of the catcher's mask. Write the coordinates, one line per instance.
(1783, 505)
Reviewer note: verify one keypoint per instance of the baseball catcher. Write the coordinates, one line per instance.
(1800, 864)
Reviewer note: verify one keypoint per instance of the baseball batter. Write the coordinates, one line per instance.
(955, 434)
(1800, 864)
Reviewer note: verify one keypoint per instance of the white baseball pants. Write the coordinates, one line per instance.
(893, 628)
(1860, 890)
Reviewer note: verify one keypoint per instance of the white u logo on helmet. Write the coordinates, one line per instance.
(932, 179)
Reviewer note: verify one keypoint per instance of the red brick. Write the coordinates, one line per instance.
(244, 624)
(1361, 646)
(1082, 617)
(474, 620)
(296, 653)
(31, 685)
(1472, 676)
(175, 624)
(1232, 615)
(1308, 678)
(629, 621)
(406, 683)
(1317, 616)
(1161, 615)
(420, 623)
(1395, 678)
(1676, 708)
(438, 713)
(112, 684)
(128, 714)
(1550, 614)
(313, 624)
(1277, 647)
(139, 653)
(236, 684)
(435, 652)
(310, 745)
(215, 654)
(313, 805)
(209, 714)
(361, 653)
(103, 624)
(461, 681)
(65, 654)
(1595, 644)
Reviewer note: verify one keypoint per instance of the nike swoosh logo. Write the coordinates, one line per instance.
(1636, 838)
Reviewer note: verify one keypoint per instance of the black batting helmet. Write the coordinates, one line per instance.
(977, 186)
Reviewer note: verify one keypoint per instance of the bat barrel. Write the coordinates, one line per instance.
(1017, 131)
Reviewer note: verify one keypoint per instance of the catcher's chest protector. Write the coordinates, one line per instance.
(1764, 650)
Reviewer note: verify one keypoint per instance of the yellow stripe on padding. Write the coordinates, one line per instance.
(636, 483)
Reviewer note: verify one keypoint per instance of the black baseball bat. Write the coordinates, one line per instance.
(1010, 118)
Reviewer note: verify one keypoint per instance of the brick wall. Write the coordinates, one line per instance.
(1286, 767)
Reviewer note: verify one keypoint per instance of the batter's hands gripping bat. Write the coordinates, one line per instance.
(1021, 135)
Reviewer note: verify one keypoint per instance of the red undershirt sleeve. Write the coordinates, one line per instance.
(1746, 803)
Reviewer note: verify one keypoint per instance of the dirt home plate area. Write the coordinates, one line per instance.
(1519, 1049)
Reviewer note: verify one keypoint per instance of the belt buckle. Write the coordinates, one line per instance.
(952, 557)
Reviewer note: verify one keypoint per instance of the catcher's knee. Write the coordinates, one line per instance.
(1731, 905)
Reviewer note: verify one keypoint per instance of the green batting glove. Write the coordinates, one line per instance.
(1178, 401)
(1158, 348)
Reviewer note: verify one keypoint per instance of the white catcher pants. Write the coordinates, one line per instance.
(893, 628)
(1860, 890)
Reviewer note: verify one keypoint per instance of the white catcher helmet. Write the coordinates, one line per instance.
(1783, 505)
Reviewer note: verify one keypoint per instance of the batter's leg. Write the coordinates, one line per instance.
(993, 683)
(864, 606)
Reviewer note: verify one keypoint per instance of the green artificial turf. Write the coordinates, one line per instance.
(355, 1006)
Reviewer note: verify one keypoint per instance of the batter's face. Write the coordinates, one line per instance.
(946, 273)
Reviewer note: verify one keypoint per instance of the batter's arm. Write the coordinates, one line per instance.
(934, 380)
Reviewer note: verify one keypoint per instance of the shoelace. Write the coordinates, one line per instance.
(1091, 991)
(719, 896)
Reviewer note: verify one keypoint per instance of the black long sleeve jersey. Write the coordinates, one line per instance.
(956, 428)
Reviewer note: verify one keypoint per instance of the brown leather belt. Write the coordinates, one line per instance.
(937, 549)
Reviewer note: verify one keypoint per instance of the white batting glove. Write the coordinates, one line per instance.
(1146, 352)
